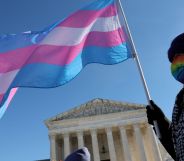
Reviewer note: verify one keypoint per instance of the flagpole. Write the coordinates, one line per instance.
(136, 57)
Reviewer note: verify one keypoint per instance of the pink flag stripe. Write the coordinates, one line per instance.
(69, 36)
(1, 97)
(83, 18)
(7, 102)
(58, 55)
(12, 93)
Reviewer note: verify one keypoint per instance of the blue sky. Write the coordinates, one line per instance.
(153, 24)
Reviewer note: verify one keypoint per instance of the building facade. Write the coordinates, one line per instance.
(111, 130)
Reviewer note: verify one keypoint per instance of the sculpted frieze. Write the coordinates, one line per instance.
(97, 108)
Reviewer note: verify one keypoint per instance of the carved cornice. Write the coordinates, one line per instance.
(96, 107)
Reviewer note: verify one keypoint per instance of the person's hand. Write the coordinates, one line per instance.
(154, 112)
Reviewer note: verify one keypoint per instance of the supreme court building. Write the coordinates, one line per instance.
(111, 130)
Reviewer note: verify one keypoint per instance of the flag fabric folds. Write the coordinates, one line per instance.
(55, 55)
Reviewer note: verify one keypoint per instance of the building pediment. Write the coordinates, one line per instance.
(97, 107)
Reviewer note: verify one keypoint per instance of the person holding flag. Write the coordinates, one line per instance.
(172, 133)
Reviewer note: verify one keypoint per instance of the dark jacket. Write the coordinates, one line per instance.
(172, 133)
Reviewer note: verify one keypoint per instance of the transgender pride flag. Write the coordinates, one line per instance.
(54, 56)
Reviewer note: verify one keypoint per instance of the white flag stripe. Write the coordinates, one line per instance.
(68, 36)
(6, 79)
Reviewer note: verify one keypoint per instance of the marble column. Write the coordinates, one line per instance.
(154, 143)
(80, 139)
(60, 154)
(53, 148)
(94, 138)
(66, 145)
(125, 144)
(139, 142)
(110, 141)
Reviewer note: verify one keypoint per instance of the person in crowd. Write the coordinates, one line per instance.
(79, 155)
(172, 132)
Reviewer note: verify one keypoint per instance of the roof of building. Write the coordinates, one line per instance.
(96, 106)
